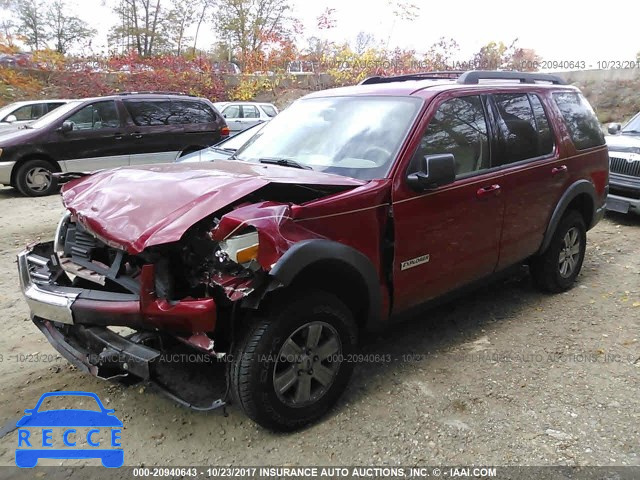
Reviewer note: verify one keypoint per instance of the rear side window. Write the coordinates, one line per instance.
(249, 111)
(580, 119)
(190, 112)
(147, 113)
(269, 110)
(459, 127)
(545, 136)
(519, 136)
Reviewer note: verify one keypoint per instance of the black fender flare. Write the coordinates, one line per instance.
(575, 189)
(308, 252)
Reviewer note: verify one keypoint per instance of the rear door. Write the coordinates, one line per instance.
(96, 141)
(153, 136)
(250, 116)
(534, 174)
(448, 237)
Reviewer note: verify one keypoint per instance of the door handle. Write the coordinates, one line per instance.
(118, 136)
(136, 135)
(560, 169)
(491, 190)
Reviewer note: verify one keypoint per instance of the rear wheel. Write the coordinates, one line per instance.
(292, 366)
(558, 267)
(34, 178)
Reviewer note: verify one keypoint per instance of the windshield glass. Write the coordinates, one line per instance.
(51, 117)
(633, 126)
(352, 136)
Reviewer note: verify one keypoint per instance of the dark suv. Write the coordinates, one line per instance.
(106, 132)
(351, 206)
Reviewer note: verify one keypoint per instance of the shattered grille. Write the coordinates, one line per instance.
(622, 166)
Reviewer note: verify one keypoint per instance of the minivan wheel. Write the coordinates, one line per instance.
(291, 366)
(557, 268)
(34, 178)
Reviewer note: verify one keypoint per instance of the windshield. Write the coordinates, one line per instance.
(633, 126)
(352, 136)
(51, 117)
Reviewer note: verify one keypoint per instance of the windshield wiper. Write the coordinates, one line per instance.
(285, 162)
(630, 131)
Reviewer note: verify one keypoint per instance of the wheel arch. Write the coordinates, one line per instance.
(33, 156)
(337, 269)
(580, 196)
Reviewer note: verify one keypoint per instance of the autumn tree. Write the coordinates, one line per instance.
(64, 29)
(248, 24)
(363, 42)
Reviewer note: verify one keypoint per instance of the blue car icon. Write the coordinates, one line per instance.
(36, 421)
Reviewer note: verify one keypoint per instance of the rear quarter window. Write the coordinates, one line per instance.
(581, 121)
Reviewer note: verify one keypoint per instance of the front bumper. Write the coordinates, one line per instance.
(38, 270)
(624, 193)
(5, 172)
(75, 321)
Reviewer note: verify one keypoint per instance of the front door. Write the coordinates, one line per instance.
(95, 142)
(449, 236)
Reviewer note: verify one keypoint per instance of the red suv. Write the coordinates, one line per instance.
(351, 206)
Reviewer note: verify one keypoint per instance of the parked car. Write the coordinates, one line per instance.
(350, 207)
(106, 132)
(624, 165)
(225, 149)
(16, 114)
(242, 115)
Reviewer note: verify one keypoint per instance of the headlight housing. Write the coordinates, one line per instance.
(242, 248)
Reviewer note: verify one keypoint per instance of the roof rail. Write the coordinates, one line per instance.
(469, 78)
(438, 75)
(154, 92)
(474, 76)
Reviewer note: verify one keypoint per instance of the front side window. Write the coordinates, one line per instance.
(232, 111)
(96, 116)
(23, 113)
(458, 127)
(355, 136)
(582, 123)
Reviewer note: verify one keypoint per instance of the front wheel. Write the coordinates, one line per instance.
(292, 366)
(34, 178)
(557, 268)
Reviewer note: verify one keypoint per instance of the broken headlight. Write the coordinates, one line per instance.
(241, 249)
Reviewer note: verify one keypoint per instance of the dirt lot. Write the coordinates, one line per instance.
(504, 376)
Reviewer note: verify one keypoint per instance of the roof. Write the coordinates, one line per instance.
(413, 85)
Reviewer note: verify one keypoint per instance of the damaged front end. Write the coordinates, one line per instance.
(165, 314)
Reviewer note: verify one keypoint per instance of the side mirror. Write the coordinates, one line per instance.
(11, 119)
(435, 171)
(66, 127)
(614, 128)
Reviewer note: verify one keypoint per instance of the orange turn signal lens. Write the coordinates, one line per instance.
(247, 254)
(225, 131)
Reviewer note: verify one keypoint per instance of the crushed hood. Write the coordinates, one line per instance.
(138, 207)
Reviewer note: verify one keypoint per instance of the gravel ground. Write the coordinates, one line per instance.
(504, 376)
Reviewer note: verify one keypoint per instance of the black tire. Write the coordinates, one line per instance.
(259, 360)
(26, 180)
(547, 268)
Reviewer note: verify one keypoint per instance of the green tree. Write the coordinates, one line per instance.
(142, 26)
(64, 29)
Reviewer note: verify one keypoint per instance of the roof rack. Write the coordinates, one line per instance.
(474, 77)
(469, 78)
(154, 92)
(438, 75)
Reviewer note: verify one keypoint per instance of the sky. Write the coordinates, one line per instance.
(558, 30)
